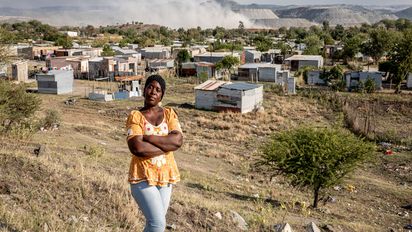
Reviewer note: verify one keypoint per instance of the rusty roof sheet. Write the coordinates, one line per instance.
(210, 85)
(128, 78)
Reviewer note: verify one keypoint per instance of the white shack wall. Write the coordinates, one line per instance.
(252, 99)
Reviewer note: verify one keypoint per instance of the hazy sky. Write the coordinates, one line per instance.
(171, 13)
(34, 3)
(311, 2)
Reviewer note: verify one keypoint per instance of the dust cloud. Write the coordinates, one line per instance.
(174, 14)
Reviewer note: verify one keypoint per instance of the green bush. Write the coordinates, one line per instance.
(316, 158)
(51, 119)
(17, 109)
(370, 86)
(94, 151)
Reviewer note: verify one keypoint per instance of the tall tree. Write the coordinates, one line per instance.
(181, 57)
(313, 45)
(351, 47)
(4, 48)
(380, 42)
(227, 63)
(401, 59)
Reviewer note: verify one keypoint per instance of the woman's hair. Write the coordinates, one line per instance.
(159, 80)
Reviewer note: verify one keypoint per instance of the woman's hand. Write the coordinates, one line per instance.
(170, 142)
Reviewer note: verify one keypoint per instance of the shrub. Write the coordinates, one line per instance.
(370, 86)
(51, 119)
(17, 108)
(316, 158)
(94, 151)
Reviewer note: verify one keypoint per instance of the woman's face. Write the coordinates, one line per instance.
(153, 94)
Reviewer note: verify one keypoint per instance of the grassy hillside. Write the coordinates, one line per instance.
(79, 183)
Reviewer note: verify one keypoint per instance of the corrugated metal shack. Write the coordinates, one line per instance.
(55, 82)
(239, 97)
(258, 72)
(355, 77)
(409, 81)
(205, 94)
(314, 78)
(226, 96)
(299, 61)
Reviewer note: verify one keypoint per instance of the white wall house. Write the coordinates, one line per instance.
(226, 96)
(299, 61)
(55, 82)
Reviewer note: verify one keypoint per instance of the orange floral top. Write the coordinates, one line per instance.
(160, 170)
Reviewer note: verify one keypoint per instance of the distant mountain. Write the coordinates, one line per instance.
(407, 13)
(336, 14)
(255, 14)
(284, 22)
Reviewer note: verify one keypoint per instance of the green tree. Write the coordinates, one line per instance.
(338, 33)
(316, 158)
(65, 41)
(313, 45)
(262, 43)
(17, 108)
(181, 57)
(380, 42)
(107, 51)
(4, 48)
(285, 49)
(401, 59)
(228, 62)
(351, 47)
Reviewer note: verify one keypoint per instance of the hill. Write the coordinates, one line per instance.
(336, 14)
(406, 13)
(255, 14)
(79, 181)
(284, 22)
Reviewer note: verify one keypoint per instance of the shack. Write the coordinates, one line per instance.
(258, 72)
(252, 56)
(313, 78)
(353, 79)
(205, 94)
(188, 69)
(409, 81)
(20, 71)
(299, 61)
(239, 97)
(226, 96)
(55, 82)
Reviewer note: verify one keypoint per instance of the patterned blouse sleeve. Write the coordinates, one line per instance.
(173, 122)
(134, 125)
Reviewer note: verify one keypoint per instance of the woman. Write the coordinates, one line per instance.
(153, 133)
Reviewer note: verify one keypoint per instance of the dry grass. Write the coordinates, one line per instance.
(67, 189)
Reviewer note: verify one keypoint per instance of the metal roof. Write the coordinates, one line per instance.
(210, 85)
(241, 86)
(259, 65)
(129, 78)
(215, 54)
(305, 57)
